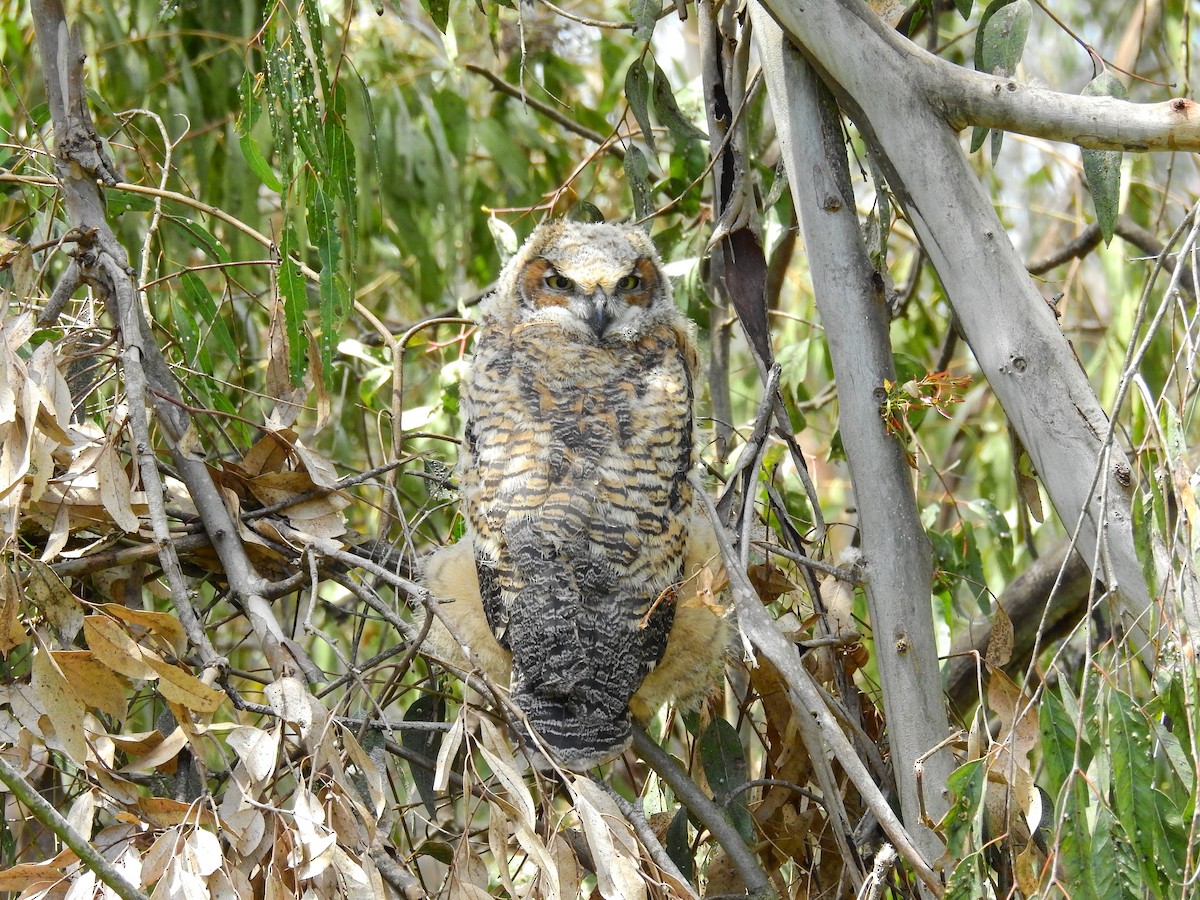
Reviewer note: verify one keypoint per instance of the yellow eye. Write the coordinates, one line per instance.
(557, 282)
(629, 283)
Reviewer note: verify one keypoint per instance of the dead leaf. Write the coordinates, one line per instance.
(12, 634)
(93, 682)
(610, 839)
(1000, 641)
(64, 710)
(61, 607)
(113, 646)
(164, 625)
(270, 453)
(257, 749)
(184, 688)
(115, 489)
(162, 812)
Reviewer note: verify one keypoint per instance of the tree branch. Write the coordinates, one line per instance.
(849, 297)
(961, 97)
(879, 82)
(52, 819)
(81, 166)
(818, 728)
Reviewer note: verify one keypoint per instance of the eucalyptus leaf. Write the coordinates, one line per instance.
(645, 17)
(1103, 167)
(669, 112)
(637, 92)
(637, 173)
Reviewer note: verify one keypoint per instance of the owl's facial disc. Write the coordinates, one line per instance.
(615, 299)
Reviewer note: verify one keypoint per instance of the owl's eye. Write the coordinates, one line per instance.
(557, 282)
(629, 283)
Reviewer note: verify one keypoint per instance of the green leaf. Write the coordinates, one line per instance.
(637, 173)
(295, 304)
(978, 136)
(1002, 36)
(439, 11)
(332, 293)
(725, 768)
(964, 7)
(1058, 740)
(678, 846)
(966, 881)
(645, 16)
(637, 92)
(963, 824)
(258, 163)
(669, 112)
(1001, 533)
(1136, 804)
(201, 302)
(1103, 167)
(1112, 870)
(428, 708)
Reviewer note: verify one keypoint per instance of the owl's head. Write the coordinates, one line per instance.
(597, 282)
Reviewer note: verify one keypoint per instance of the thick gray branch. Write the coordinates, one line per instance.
(961, 97)
(850, 300)
(1011, 330)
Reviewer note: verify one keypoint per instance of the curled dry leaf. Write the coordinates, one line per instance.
(182, 687)
(1000, 641)
(610, 839)
(163, 625)
(257, 749)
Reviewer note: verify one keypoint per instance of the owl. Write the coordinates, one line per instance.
(583, 576)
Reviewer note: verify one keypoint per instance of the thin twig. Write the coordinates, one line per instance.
(709, 814)
(28, 796)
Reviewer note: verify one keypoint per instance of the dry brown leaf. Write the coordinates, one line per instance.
(164, 625)
(1016, 714)
(23, 877)
(610, 838)
(270, 453)
(184, 688)
(54, 406)
(292, 702)
(119, 789)
(61, 607)
(257, 749)
(113, 646)
(315, 839)
(162, 756)
(115, 489)
(320, 469)
(162, 812)
(1000, 642)
(368, 771)
(12, 634)
(62, 724)
(93, 682)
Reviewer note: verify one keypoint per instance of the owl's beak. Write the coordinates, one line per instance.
(598, 316)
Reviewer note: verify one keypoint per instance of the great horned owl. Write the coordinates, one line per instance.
(583, 552)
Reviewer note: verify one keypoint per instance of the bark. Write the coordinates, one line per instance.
(899, 97)
(849, 295)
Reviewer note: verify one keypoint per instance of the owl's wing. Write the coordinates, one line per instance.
(575, 481)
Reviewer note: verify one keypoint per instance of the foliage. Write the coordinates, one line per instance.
(314, 197)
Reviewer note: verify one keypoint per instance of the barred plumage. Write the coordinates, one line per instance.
(576, 452)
